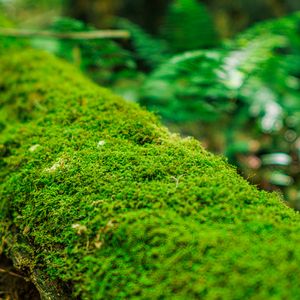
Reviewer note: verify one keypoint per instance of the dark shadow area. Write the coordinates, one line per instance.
(13, 284)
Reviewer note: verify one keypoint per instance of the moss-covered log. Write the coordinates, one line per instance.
(99, 201)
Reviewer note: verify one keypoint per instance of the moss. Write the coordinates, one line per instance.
(101, 200)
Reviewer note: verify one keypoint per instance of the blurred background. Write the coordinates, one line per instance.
(226, 72)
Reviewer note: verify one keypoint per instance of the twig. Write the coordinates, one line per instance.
(176, 179)
(84, 35)
(10, 273)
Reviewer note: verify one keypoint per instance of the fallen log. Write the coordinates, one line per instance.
(99, 201)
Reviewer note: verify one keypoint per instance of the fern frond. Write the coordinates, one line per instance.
(188, 26)
(188, 87)
(149, 49)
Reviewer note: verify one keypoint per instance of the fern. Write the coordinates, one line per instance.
(273, 67)
(188, 87)
(189, 26)
(150, 50)
(202, 85)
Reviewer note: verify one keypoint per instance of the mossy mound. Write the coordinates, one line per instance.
(99, 201)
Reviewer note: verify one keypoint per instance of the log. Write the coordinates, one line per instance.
(100, 201)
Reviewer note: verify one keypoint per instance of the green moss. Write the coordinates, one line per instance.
(99, 198)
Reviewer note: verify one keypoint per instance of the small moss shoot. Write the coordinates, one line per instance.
(102, 202)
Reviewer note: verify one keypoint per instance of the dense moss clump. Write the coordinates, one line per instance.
(99, 201)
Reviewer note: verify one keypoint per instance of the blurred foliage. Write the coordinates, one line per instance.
(9, 42)
(189, 33)
(100, 58)
(240, 97)
(232, 17)
(151, 51)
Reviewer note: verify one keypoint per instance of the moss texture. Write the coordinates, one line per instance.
(99, 201)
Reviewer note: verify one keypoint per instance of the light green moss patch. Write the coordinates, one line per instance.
(99, 198)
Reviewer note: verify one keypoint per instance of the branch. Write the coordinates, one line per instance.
(86, 35)
(11, 273)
